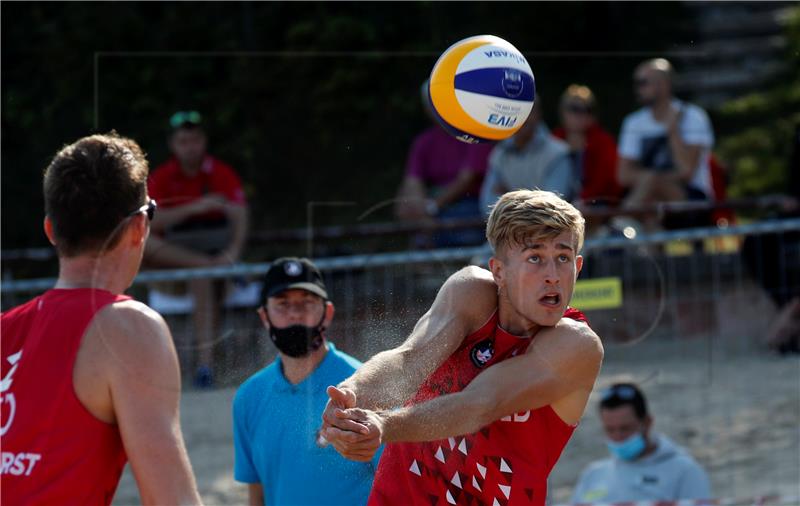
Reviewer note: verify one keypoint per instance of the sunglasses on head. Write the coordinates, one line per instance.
(149, 208)
(182, 117)
(623, 392)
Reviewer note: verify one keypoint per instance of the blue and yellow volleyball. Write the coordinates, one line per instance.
(481, 89)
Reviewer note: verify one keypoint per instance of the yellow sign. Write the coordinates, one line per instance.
(599, 293)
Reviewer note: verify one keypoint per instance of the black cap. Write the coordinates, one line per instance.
(292, 272)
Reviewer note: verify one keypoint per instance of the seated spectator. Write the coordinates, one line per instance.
(531, 158)
(202, 222)
(664, 147)
(592, 149)
(443, 179)
(643, 465)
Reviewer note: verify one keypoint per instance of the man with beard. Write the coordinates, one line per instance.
(279, 452)
(664, 147)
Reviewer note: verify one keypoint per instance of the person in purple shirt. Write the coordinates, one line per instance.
(442, 180)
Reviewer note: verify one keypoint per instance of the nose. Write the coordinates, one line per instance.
(550, 274)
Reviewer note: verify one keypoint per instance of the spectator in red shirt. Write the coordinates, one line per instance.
(202, 223)
(442, 180)
(592, 149)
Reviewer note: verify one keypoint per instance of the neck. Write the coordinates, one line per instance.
(576, 139)
(660, 108)
(650, 446)
(511, 320)
(297, 369)
(86, 271)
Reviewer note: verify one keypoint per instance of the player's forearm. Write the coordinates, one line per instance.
(383, 382)
(446, 416)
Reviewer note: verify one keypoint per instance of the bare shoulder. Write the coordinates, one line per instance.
(570, 340)
(472, 292)
(132, 330)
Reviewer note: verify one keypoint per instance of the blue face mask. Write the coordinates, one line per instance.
(628, 449)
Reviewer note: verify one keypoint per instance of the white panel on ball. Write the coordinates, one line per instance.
(491, 55)
(481, 107)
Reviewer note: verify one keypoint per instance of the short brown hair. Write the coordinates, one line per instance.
(527, 214)
(90, 187)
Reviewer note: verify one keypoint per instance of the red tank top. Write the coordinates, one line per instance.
(505, 463)
(54, 450)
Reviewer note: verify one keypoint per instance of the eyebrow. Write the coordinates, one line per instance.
(536, 246)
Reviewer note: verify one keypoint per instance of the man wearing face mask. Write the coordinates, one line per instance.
(644, 465)
(279, 452)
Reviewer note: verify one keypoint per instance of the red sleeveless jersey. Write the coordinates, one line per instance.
(54, 450)
(505, 463)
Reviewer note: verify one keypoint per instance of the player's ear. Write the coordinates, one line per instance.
(139, 229)
(48, 230)
(498, 270)
(262, 314)
(578, 265)
(330, 310)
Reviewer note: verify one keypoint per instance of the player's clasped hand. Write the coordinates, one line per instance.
(354, 433)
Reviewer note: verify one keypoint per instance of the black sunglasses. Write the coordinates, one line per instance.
(641, 82)
(149, 208)
(624, 392)
(578, 109)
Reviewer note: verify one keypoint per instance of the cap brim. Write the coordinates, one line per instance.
(309, 287)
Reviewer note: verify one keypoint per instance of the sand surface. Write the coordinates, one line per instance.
(739, 414)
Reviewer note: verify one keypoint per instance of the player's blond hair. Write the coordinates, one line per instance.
(522, 215)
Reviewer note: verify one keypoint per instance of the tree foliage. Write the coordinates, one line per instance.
(310, 102)
(761, 126)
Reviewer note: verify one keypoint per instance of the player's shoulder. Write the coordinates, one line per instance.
(574, 336)
(16, 312)
(472, 276)
(130, 328)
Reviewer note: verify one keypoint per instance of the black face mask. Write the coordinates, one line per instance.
(296, 340)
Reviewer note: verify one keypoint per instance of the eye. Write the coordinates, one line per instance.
(534, 259)
(563, 258)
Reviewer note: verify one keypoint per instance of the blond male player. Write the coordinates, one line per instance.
(492, 380)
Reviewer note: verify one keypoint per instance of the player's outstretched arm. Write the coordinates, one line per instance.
(559, 369)
(465, 301)
(144, 382)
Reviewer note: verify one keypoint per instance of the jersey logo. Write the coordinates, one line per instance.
(7, 397)
(482, 352)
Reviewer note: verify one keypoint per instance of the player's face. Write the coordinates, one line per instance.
(538, 277)
(189, 146)
(621, 422)
(295, 307)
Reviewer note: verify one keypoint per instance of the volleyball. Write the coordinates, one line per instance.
(481, 89)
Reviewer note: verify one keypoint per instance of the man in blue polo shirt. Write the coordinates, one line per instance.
(279, 452)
